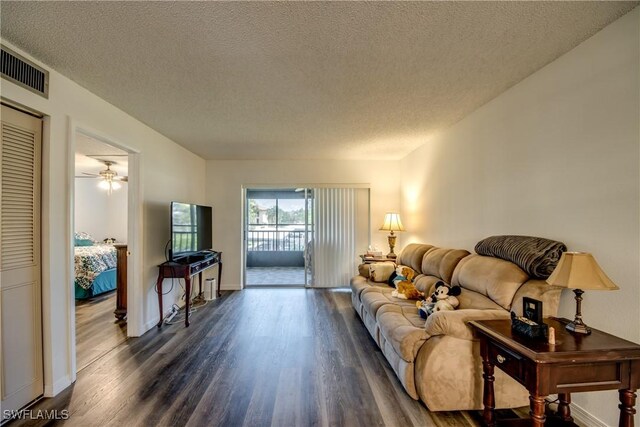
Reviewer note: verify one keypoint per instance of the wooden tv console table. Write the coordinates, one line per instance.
(186, 270)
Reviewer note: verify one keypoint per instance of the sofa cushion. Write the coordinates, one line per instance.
(493, 277)
(542, 291)
(402, 328)
(426, 283)
(441, 262)
(374, 298)
(472, 299)
(359, 283)
(412, 255)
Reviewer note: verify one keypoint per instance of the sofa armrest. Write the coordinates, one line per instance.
(455, 323)
(542, 291)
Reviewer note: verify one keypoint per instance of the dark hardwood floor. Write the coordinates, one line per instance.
(97, 329)
(258, 357)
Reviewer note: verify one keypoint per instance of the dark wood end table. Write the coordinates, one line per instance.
(576, 363)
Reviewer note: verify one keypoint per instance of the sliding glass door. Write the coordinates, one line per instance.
(304, 236)
(276, 236)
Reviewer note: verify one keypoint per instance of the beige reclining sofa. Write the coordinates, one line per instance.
(438, 361)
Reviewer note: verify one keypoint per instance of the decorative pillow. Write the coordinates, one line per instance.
(381, 271)
(363, 270)
(83, 239)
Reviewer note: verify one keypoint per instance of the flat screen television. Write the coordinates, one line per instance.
(190, 229)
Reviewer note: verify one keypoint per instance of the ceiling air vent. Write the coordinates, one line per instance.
(24, 72)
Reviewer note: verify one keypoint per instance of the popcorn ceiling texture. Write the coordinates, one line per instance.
(300, 80)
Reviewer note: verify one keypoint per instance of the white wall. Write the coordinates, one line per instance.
(117, 213)
(98, 213)
(224, 192)
(168, 171)
(556, 156)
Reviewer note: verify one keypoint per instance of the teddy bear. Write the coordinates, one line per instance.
(443, 298)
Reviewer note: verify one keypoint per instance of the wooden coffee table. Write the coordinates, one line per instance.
(575, 364)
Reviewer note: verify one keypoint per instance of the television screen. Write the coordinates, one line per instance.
(190, 228)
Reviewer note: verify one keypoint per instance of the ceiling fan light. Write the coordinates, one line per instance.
(115, 185)
(104, 185)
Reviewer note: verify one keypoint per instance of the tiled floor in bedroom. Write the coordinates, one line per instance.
(282, 276)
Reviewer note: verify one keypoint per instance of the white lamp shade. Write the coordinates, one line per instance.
(579, 270)
(104, 185)
(392, 222)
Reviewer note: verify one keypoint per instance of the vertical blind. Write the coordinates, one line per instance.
(334, 240)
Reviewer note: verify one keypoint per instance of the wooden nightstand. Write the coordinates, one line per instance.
(576, 363)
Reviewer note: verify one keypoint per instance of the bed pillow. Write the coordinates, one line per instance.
(83, 239)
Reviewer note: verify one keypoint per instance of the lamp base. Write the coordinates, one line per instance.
(391, 238)
(578, 328)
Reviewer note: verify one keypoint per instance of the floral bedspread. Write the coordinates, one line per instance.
(90, 261)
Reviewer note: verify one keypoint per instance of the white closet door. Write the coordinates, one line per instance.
(20, 305)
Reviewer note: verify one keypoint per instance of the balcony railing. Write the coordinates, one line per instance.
(285, 241)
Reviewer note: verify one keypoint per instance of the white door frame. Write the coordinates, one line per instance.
(134, 235)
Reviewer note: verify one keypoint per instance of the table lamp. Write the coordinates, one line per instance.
(392, 223)
(579, 271)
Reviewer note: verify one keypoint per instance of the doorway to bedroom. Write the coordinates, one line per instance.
(100, 251)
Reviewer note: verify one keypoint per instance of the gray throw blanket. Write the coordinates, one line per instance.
(538, 257)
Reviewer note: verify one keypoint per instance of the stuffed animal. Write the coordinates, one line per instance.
(443, 298)
(402, 273)
(407, 290)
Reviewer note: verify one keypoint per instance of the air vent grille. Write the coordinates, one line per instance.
(24, 73)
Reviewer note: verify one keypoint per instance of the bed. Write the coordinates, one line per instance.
(95, 269)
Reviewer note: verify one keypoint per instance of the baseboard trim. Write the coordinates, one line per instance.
(51, 390)
(583, 417)
(150, 324)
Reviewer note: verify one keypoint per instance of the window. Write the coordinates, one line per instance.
(276, 220)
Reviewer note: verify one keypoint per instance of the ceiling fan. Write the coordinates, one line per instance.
(108, 178)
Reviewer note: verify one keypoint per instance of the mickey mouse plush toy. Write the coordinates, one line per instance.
(443, 298)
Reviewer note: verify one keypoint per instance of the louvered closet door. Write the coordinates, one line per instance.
(20, 307)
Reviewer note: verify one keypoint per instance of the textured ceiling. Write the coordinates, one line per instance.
(301, 80)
